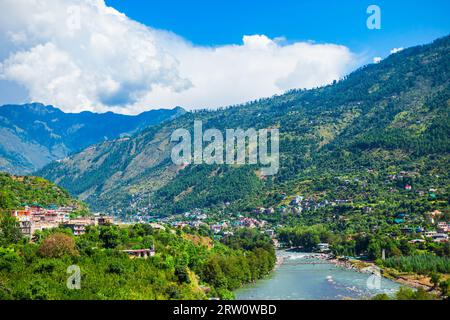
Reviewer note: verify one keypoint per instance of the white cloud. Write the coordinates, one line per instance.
(83, 55)
(377, 60)
(396, 50)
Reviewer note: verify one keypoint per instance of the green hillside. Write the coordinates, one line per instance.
(17, 192)
(33, 135)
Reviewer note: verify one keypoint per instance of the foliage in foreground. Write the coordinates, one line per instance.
(181, 269)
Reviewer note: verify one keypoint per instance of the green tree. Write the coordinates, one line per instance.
(58, 245)
(9, 230)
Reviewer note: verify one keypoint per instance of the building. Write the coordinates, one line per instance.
(440, 237)
(323, 247)
(270, 233)
(104, 220)
(141, 253)
(216, 228)
(25, 227)
(443, 227)
(78, 227)
(417, 241)
(407, 230)
(157, 226)
(429, 234)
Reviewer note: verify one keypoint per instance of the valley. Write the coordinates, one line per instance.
(363, 176)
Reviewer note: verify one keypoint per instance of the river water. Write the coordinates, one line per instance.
(296, 279)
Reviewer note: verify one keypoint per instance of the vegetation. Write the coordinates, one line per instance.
(408, 294)
(17, 192)
(422, 264)
(181, 268)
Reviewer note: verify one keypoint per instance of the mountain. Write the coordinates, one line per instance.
(343, 141)
(33, 135)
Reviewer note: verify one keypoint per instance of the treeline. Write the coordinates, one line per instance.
(422, 264)
(306, 237)
(206, 186)
(231, 272)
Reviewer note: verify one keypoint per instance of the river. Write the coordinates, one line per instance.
(296, 279)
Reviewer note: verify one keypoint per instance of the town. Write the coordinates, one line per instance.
(221, 223)
(37, 218)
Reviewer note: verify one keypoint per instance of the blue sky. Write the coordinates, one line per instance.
(218, 22)
(116, 55)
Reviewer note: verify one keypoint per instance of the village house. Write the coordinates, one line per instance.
(440, 237)
(37, 218)
(216, 228)
(407, 230)
(432, 216)
(259, 210)
(270, 233)
(251, 223)
(78, 226)
(323, 247)
(417, 241)
(442, 227)
(157, 226)
(429, 234)
(141, 253)
(298, 199)
(196, 223)
(102, 220)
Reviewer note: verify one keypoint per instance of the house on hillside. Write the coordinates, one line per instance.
(103, 220)
(141, 253)
(443, 227)
(429, 234)
(440, 237)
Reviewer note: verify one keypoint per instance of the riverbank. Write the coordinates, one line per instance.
(412, 280)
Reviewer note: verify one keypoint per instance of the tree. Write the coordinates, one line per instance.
(182, 273)
(9, 230)
(435, 279)
(110, 236)
(409, 294)
(58, 245)
(445, 287)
